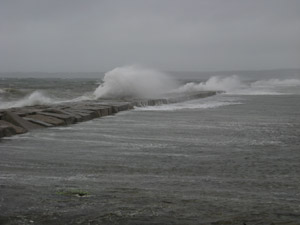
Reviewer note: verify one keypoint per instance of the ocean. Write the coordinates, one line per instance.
(233, 158)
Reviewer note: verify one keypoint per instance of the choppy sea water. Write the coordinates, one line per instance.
(233, 158)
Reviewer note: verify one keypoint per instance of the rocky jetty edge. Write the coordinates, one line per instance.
(21, 120)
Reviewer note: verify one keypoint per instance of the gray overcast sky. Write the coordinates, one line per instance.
(195, 35)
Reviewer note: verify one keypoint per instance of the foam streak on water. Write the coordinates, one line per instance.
(206, 103)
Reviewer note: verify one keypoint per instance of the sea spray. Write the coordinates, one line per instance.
(214, 83)
(234, 85)
(134, 81)
(35, 98)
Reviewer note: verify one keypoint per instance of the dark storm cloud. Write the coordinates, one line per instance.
(90, 35)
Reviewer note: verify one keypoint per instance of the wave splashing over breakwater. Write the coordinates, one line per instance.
(234, 85)
(35, 98)
(134, 81)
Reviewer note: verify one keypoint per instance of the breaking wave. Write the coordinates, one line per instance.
(35, 98)
(139, 82)
(214, 84)
(234, 85)
(134, 81)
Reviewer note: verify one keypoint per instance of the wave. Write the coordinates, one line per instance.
(213, 102)
(234, 85)
(139, 82)
(35, 98)
(134, 81)
(213, 84)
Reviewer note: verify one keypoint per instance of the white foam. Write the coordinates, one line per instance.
(194, 104)
(134, 81)
(214, 83)
(35, 98)
(234, 85)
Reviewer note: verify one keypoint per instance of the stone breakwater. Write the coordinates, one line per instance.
(21, 120)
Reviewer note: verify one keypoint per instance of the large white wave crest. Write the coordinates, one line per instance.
(134, 81)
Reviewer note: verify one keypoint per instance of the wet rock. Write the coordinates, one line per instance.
(38, 122)
(59, 111)
(105, 111)
(47, 119)
(93, 111)
(118, 107)
(19, 121)
(6, 131)
(17, 129)
(83, 115)
(68, 119)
